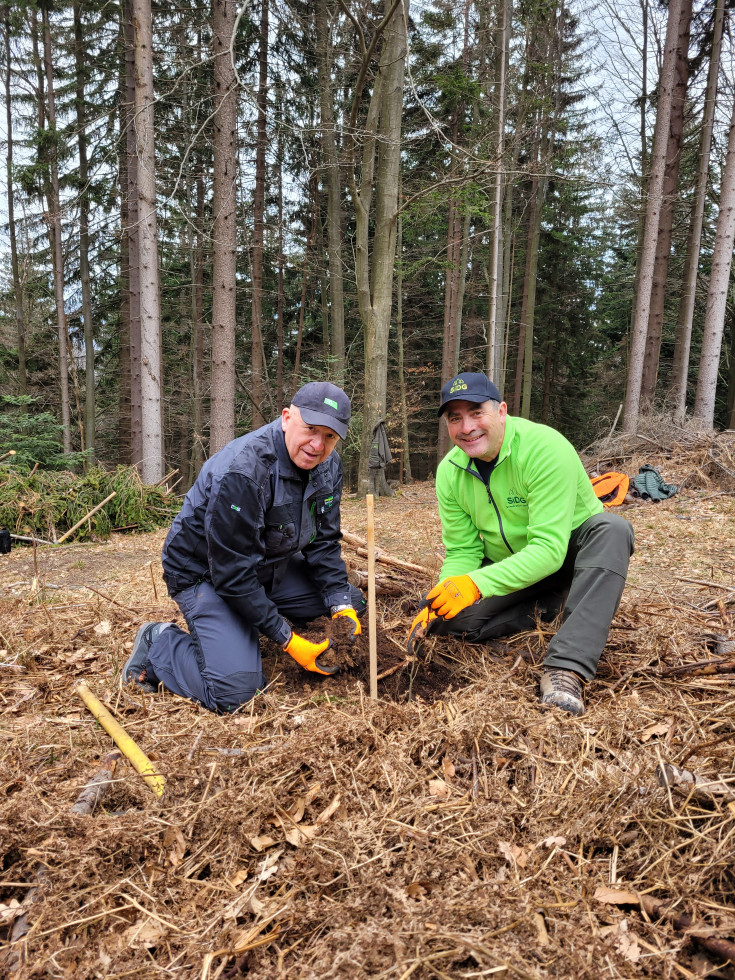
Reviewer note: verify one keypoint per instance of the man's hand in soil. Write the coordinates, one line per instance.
(349, 613)
(418, 631)
(307, 653)
(452, 596)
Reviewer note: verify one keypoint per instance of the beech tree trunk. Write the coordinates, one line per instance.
(222, 418)
(666, 218)
(639, 328)
(381, 145)
(680, 368)
(151, 466)
(719, 284)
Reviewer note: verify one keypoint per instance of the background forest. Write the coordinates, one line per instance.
(208, 205)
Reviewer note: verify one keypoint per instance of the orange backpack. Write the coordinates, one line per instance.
(611, 488)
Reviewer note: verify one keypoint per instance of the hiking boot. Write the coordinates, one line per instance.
(137, 670)
(563, 689)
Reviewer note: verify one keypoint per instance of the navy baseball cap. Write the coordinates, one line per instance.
(468, 387)
(322, 403)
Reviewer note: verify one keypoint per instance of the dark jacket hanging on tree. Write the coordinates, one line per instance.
(380, 454)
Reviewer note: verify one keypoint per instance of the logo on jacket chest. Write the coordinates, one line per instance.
(515, 499)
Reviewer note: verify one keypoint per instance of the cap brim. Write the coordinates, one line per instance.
(321, 418)
(477, 399)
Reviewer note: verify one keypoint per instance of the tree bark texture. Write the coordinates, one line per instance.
(680, 367)
(374, 266)
(224, 312)
(20, 330)
(258, 366)
(719, 285)
(151, 465)
(53, 199)
(81, 111)
(639, 328)
(133, 240)
(666, 218)
(332, 172)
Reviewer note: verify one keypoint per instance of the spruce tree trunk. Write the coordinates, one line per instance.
(53, 199)
(495, 274)
(151, 466)
(222, 420)
(20, 330)
(719, 284)
(334, 192)
(399, 338)
(258, 380)
(89, 386)
(680, 368)
(133, 240)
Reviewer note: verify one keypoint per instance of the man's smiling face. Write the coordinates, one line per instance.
(477, 428)
(307, 445)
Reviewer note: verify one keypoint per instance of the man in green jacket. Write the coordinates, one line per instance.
(525, 535)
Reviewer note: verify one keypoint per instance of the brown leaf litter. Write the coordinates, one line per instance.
(452, 828)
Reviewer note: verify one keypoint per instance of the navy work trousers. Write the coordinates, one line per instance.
(217, 663)
(587, 589)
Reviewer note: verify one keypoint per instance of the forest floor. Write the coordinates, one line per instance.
(452, 828)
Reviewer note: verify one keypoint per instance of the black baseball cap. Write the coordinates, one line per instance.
(322, 403)
(468, 387)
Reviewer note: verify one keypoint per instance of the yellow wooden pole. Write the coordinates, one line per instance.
(372, 637)
(124, 742)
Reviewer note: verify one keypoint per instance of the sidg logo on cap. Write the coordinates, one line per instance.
(458, 385)
(332, 404)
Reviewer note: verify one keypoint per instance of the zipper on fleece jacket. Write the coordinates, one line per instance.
(468, 469)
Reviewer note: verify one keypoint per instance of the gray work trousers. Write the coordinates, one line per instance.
(218, 663)
(586, 589)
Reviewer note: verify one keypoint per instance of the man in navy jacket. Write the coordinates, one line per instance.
(256, 542)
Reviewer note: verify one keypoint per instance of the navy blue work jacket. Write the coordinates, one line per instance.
(250, 510)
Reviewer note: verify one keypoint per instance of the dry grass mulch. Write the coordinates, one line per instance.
(452, 828)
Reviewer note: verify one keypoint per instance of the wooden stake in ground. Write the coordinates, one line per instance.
(124, 742)
(372, 638)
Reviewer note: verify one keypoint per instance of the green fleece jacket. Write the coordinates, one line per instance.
(538, 494)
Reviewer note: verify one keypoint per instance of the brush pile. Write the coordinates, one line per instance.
(47, 503)
(450, 829)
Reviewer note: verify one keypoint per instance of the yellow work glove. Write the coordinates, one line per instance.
(418, 630)
(452, 596)
(307, 653)
(350, 613)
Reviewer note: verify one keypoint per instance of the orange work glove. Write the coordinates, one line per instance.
(307, 654)
(452, 596)
(418, 631)
(350, 613)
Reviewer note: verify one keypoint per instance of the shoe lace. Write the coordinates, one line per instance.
(565, 682)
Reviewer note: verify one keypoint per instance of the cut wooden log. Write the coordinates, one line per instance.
(360, 545)
(715, 790)
(384, 584)
(97, 786)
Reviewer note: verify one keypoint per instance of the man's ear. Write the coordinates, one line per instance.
(503, 409)
(285, 416)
